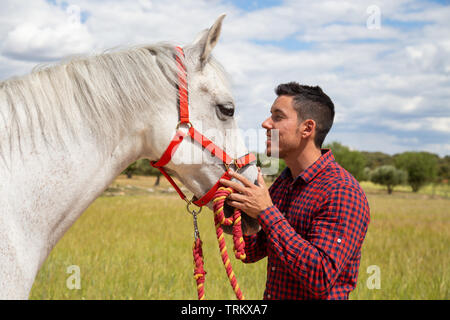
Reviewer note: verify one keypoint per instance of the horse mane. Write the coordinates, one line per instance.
(106, 92)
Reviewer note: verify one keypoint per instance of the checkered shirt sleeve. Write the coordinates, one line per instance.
(334, 237)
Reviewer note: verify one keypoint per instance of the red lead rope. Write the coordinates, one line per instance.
(199, 271)
(238, 240)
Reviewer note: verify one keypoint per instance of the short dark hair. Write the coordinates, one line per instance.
(310, 103)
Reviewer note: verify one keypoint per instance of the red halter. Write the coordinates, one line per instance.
(196, 136)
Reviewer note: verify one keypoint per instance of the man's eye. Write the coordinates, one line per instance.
(225, 110)
(276, 117)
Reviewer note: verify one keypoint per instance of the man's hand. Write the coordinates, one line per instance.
(250, 198)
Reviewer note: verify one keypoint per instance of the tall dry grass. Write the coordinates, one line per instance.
(135, 243)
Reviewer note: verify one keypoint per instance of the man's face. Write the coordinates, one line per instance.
(283, 121)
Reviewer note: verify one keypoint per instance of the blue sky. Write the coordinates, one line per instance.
(385, 64)
(255, 5)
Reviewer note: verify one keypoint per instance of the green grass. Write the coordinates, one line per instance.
(440, 190)
(409, 239)
(133, 243)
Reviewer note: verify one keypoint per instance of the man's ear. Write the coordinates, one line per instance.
(207, 40)
(308, 128)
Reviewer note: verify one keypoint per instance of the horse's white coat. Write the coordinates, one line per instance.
(48, 178)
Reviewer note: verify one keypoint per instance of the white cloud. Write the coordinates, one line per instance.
(402, 125)
(340, 32)
(440, 124)
(393, 78)
(47, 43)
(14, 67)
(43, 32)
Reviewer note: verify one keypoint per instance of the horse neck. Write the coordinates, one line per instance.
(44, 195)
(49, 183)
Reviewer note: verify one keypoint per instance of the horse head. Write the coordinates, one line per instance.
(211, 112)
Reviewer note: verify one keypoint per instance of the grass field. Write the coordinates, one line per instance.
(135, 242)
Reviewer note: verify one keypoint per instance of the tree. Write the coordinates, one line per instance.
(141, 167)
(377, 159)
(388, 176)
(130, 170)
(444, 169)
(421, 167)
(265, 162)
(352, 161)
(366, 174)
(145, 169)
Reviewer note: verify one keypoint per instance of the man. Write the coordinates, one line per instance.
(315, 215)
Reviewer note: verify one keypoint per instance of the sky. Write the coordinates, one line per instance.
(385, 64)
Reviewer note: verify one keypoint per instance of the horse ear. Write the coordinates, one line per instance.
(208, 39)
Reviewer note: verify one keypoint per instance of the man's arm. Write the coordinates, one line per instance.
(336, 234)
(255, 247)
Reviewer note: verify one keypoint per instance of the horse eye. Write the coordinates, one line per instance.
(226, 110)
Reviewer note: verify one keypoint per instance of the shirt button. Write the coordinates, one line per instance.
(269, 296)
(339, 240)
(273, 268)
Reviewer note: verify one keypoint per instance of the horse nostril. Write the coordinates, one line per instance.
(256, 182)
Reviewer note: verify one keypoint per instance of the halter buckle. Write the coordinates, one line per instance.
(189, 124)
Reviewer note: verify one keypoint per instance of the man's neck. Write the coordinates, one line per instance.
(303, 159)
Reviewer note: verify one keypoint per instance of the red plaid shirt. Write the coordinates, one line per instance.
(313, 234)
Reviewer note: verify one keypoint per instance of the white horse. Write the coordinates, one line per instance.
(66, 131)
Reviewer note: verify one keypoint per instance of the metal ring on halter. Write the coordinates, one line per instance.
(236, 165)
(192, 211)
(234, 162)
(189, 124)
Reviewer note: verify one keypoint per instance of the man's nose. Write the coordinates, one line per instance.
(267, 124)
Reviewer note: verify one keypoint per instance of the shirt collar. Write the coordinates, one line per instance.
(309, 173)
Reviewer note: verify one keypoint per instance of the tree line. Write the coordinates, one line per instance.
(416, 169)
